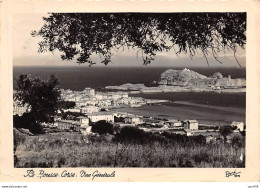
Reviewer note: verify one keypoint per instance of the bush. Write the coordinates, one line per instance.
(71, 115)
(200, 139)
(102, 127)
(183, 139)
(36, 128)
(225, 131)
(23, 121)
(66, 104)
(138, 136)
(237, 141)
(130, 134)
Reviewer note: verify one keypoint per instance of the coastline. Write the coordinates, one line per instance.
(140, 88)
(205, 114)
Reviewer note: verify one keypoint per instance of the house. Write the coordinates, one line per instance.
(80, 103)
(191, 124)
(188, 132)
(161, 124)
(174, 123)
(81, 126)
(83, 120)
(239, 125)
(98, 116)
(104, 102)
(133, 120)
(89, 109)
(125, 124)
(86, 130)
(72, 110)
(166, 126)
(89, 91)
(65, 124)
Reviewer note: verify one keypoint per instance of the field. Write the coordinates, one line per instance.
(74, 150)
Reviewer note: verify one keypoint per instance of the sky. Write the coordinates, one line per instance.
(25, 51)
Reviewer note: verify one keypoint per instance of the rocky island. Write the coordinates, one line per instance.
(188, 80)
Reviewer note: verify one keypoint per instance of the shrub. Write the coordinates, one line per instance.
(237, 141)
(102, 127)
(36, 128)
(23, 121)
(130, 134)
(138, 136)
(199, 139)
(225, 131)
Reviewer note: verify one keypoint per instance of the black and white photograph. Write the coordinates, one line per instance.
(129, 90)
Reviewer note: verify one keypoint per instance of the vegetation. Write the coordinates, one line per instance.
(66, 104)
(41, 96)
(43, 99)
(169, 150)
(102, 127)
(84, 34)
(71, 115)
(225, 131)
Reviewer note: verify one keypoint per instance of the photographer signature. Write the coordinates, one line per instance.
(234, 174)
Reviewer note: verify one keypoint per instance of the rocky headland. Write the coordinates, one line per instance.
(188, 80)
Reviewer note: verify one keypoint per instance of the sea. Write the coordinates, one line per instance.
(77, 78)
(207, 107)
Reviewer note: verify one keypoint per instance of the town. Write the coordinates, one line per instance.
(91, 107)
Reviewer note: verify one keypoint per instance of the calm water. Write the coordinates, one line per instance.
(206, 98)
(78, 78)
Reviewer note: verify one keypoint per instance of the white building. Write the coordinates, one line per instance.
(191, 124)
(90, 109)
(133, 120)
(83, 120)
(72, 110)
(98, 116)
(82, 125)
(174, 123)
(239, 125)
(89, 91)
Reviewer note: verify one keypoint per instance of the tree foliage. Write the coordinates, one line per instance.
(66, 104)
(80, 35)
(41, 96)
(102, 127)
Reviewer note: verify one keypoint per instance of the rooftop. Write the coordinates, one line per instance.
(174, 121)
(191, 121)
(81, 117)
(101, 113)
